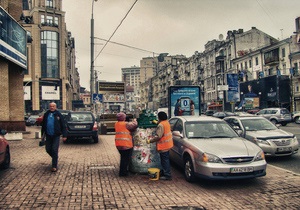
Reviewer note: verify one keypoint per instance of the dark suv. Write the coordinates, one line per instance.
(81, 125)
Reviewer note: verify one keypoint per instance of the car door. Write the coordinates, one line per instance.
(178, 141)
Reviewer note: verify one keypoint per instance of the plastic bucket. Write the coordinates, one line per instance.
(153, 173)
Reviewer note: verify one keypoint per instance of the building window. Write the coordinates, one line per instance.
(256, 61)
(49, 21)
(49, 3)
(283, 52)
(25, 5)
(250, 63)
(49, 54)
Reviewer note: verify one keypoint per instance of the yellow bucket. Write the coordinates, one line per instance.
(153, 173)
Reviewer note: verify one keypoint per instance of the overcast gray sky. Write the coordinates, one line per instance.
(165, 26)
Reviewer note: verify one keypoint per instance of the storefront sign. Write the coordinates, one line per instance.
(50, 93)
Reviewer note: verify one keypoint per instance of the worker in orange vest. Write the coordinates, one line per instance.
(123, 141)
(164, 142)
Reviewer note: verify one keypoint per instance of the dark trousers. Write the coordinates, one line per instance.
(125, 156)
(52, 145)
(165, 164)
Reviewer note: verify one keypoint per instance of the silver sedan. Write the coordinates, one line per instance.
(208, 147)
(259, 130)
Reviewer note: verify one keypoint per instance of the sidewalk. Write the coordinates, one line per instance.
(88, 179)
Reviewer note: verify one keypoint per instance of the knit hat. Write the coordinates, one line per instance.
(121, 116)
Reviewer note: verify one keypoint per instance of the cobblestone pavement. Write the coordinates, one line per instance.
(88, 179)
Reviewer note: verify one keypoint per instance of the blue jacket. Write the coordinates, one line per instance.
(59, 124)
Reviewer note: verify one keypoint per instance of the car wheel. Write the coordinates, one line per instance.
(189, 173)
(6, 163)
(96, 139)
(274, 121)
(284, 123)
(297, 120)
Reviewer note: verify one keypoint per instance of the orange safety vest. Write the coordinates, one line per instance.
(122, 137)
(166, 141)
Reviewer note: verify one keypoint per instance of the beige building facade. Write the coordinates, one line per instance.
(51, 74)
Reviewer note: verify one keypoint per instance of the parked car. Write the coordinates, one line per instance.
(107, 122)
(221, 115)
(209, 148)
(81, 125)
(296, 118)
(253, 111)
(210, 112)
(39, 120)
(31, 120)
(259, 130)
(4, 151)
(276, 115)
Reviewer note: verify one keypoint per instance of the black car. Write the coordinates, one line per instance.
(221, 115)
(81, 125)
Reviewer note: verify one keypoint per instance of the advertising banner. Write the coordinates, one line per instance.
(49, 93)
(27, 93)
(112, 91)
(184, 100)
(233, 88)
(13, 40)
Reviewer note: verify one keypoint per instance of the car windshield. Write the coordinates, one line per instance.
(205, 129)
(257, 124)
(79, 117)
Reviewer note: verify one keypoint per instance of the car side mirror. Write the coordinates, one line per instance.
(177, 133)
(240, 132)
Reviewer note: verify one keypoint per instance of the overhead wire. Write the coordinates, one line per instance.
(116, 29)
(124, 45)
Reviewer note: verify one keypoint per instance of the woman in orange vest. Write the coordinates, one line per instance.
(123, 141)
(164, 143)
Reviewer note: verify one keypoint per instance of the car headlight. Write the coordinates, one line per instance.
(295, 139)
(209, 158)
(259, 156)
(260, 141)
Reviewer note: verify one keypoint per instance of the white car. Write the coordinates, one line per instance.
(209, 148)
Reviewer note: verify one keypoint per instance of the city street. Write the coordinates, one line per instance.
(88, 179)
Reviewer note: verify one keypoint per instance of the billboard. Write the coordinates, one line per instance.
(184, 100)
(13, 40)
(233, 93)
(112, 91)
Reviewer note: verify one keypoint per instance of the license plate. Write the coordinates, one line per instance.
(79, 126)
(241, 170)
(284, 149)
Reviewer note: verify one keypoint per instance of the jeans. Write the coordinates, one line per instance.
(165, 164)
(124, 161)
(52, 145)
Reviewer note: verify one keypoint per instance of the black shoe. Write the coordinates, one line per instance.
(165, 178)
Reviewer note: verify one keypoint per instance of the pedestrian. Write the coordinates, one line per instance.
(192, 105)
(123, 141)
(164, 142)
(177, 107)
(53, 126)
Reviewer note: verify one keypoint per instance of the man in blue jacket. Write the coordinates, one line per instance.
(53, 127)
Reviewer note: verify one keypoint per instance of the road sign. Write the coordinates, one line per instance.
(97, 98)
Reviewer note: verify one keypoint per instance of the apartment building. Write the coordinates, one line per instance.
(252, 54)
(51, 74)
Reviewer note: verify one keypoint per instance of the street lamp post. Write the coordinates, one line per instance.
(92, 79)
